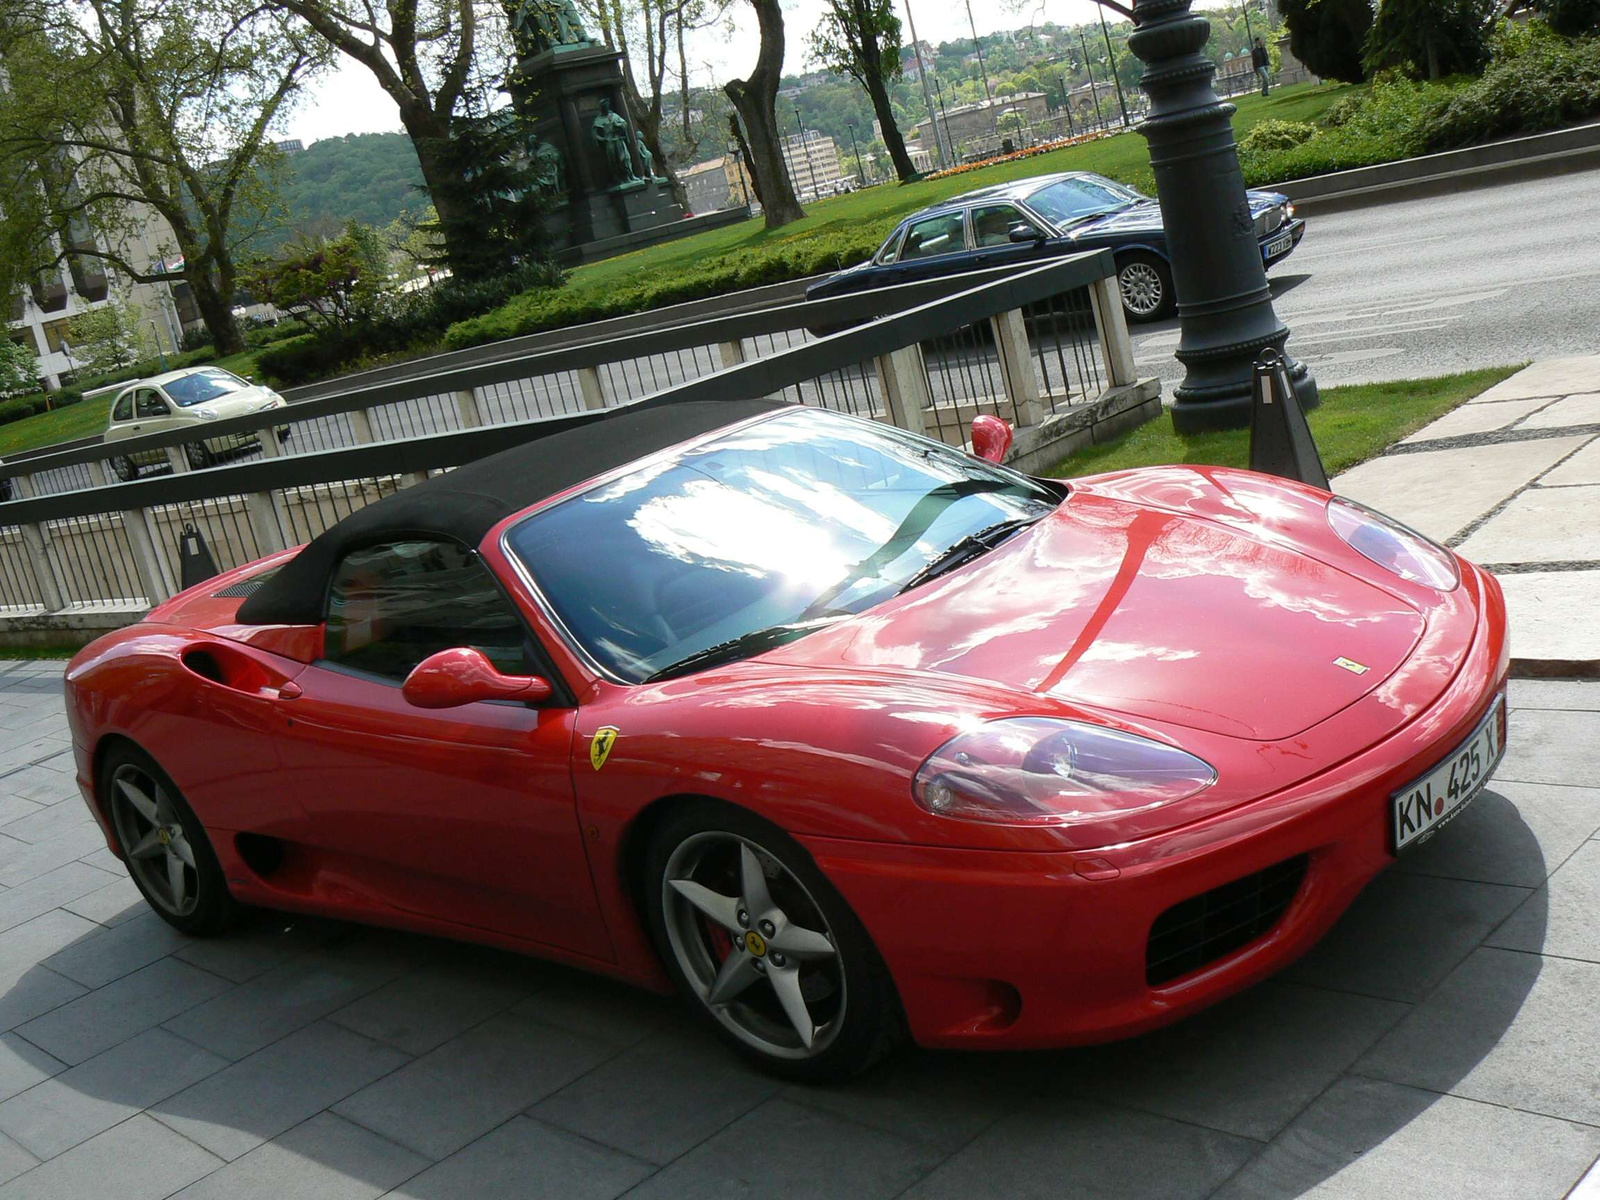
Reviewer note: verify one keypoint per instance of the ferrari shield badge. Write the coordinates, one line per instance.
(600, 749)
(1351, 665)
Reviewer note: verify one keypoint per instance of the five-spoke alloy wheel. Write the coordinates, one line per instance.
(765, 947)
(164, 844)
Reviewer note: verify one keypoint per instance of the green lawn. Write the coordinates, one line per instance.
(1352, 424)
(1124, 156)
(85, 418)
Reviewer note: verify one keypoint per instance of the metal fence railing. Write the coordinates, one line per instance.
(83, 531)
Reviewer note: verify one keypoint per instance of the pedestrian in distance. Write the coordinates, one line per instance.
(1262, 64)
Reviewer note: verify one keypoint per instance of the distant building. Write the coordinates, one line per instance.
(813, 162)
(706, 186)
(40, 315)
(972, 127)
(290, 145)
(715, 184)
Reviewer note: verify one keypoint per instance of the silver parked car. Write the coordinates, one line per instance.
(193, 397)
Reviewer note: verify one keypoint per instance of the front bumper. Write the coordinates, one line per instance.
(1296, 229)
(994, 949)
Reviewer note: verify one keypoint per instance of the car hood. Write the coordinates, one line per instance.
(238, 404)
(1145, 217)
(1158, 614)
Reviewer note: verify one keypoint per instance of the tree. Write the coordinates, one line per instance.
(421, 54)
(1430, 38)
(123, 107)
(756, 101)
(328, 283)
(109, 337)
(861, 38)
(19, 368)
(1329, 36)
(1571, 18)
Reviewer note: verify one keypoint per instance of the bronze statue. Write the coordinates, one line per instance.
(648, 159)
(610, 131)
(540, 25)
(549, 169)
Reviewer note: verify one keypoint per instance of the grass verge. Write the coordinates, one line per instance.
(1351, 425)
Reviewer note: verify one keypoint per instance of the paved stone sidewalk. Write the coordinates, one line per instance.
(1440, 1043)
(1512, 480)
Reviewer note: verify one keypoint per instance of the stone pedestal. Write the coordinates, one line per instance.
(558, 95)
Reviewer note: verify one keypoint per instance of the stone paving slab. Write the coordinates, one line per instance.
(1541, 525)
(1582, 468)
(1449, 1053)
(1572, 410)
(1478, 418)
(1548, 615)
(1442, 492)
(1552, 377)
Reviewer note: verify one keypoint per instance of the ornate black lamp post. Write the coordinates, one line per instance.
(1224, 304)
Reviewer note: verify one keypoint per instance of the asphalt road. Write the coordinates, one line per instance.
(1480, 278)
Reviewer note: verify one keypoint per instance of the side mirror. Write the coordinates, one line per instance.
(1022, 232)
(452, 678)
(991, 437)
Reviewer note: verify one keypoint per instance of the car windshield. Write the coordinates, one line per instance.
(204, 385)
(796, 519)
(1069, 200)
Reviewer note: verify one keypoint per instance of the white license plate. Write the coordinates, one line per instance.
(1421, 808)
(1277, 245)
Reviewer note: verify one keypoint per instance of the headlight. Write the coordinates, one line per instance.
(1048, 771)
(1289, 211)
(206, 414)
(1390, 544)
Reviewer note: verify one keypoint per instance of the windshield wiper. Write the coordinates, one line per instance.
(967, 549)
(742, 646)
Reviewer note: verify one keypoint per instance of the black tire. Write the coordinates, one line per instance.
(213, 909)
(1145, 283)
(124, 468)
(199, 457)
(871, 1024)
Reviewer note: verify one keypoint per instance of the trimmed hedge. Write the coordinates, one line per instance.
(28, 406)
(415, 322)
(774, 262)
(1536, 80)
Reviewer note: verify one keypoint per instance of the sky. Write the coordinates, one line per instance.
(348, 99)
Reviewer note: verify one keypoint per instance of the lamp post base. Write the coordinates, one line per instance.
(1226, 405)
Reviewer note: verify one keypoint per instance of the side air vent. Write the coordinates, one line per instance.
(245, 587)
(1214, 924)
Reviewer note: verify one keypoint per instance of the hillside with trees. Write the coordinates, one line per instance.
(369, 178)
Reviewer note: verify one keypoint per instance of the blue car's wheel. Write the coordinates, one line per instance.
(1145, 282)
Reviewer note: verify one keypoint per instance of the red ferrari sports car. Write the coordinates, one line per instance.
(845, 734)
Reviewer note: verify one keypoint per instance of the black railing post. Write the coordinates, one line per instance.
(1280, 438)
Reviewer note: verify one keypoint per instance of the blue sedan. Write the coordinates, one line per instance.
(1031, 220)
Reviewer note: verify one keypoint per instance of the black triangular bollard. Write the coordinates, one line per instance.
(195, 563)
(1280, 440)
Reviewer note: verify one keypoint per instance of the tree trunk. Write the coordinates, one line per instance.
(879, 95)
(451, 195)
(756, 100)
(744, 157)
(216, 310)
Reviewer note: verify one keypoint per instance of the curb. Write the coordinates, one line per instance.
(1555, 668)
(1576, 147)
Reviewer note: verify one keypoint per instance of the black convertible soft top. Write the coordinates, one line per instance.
(464, 504)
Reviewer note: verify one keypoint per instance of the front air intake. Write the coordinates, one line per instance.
(1214, 924)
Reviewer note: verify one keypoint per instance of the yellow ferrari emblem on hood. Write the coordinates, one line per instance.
(600, 749)
(1351, 665)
